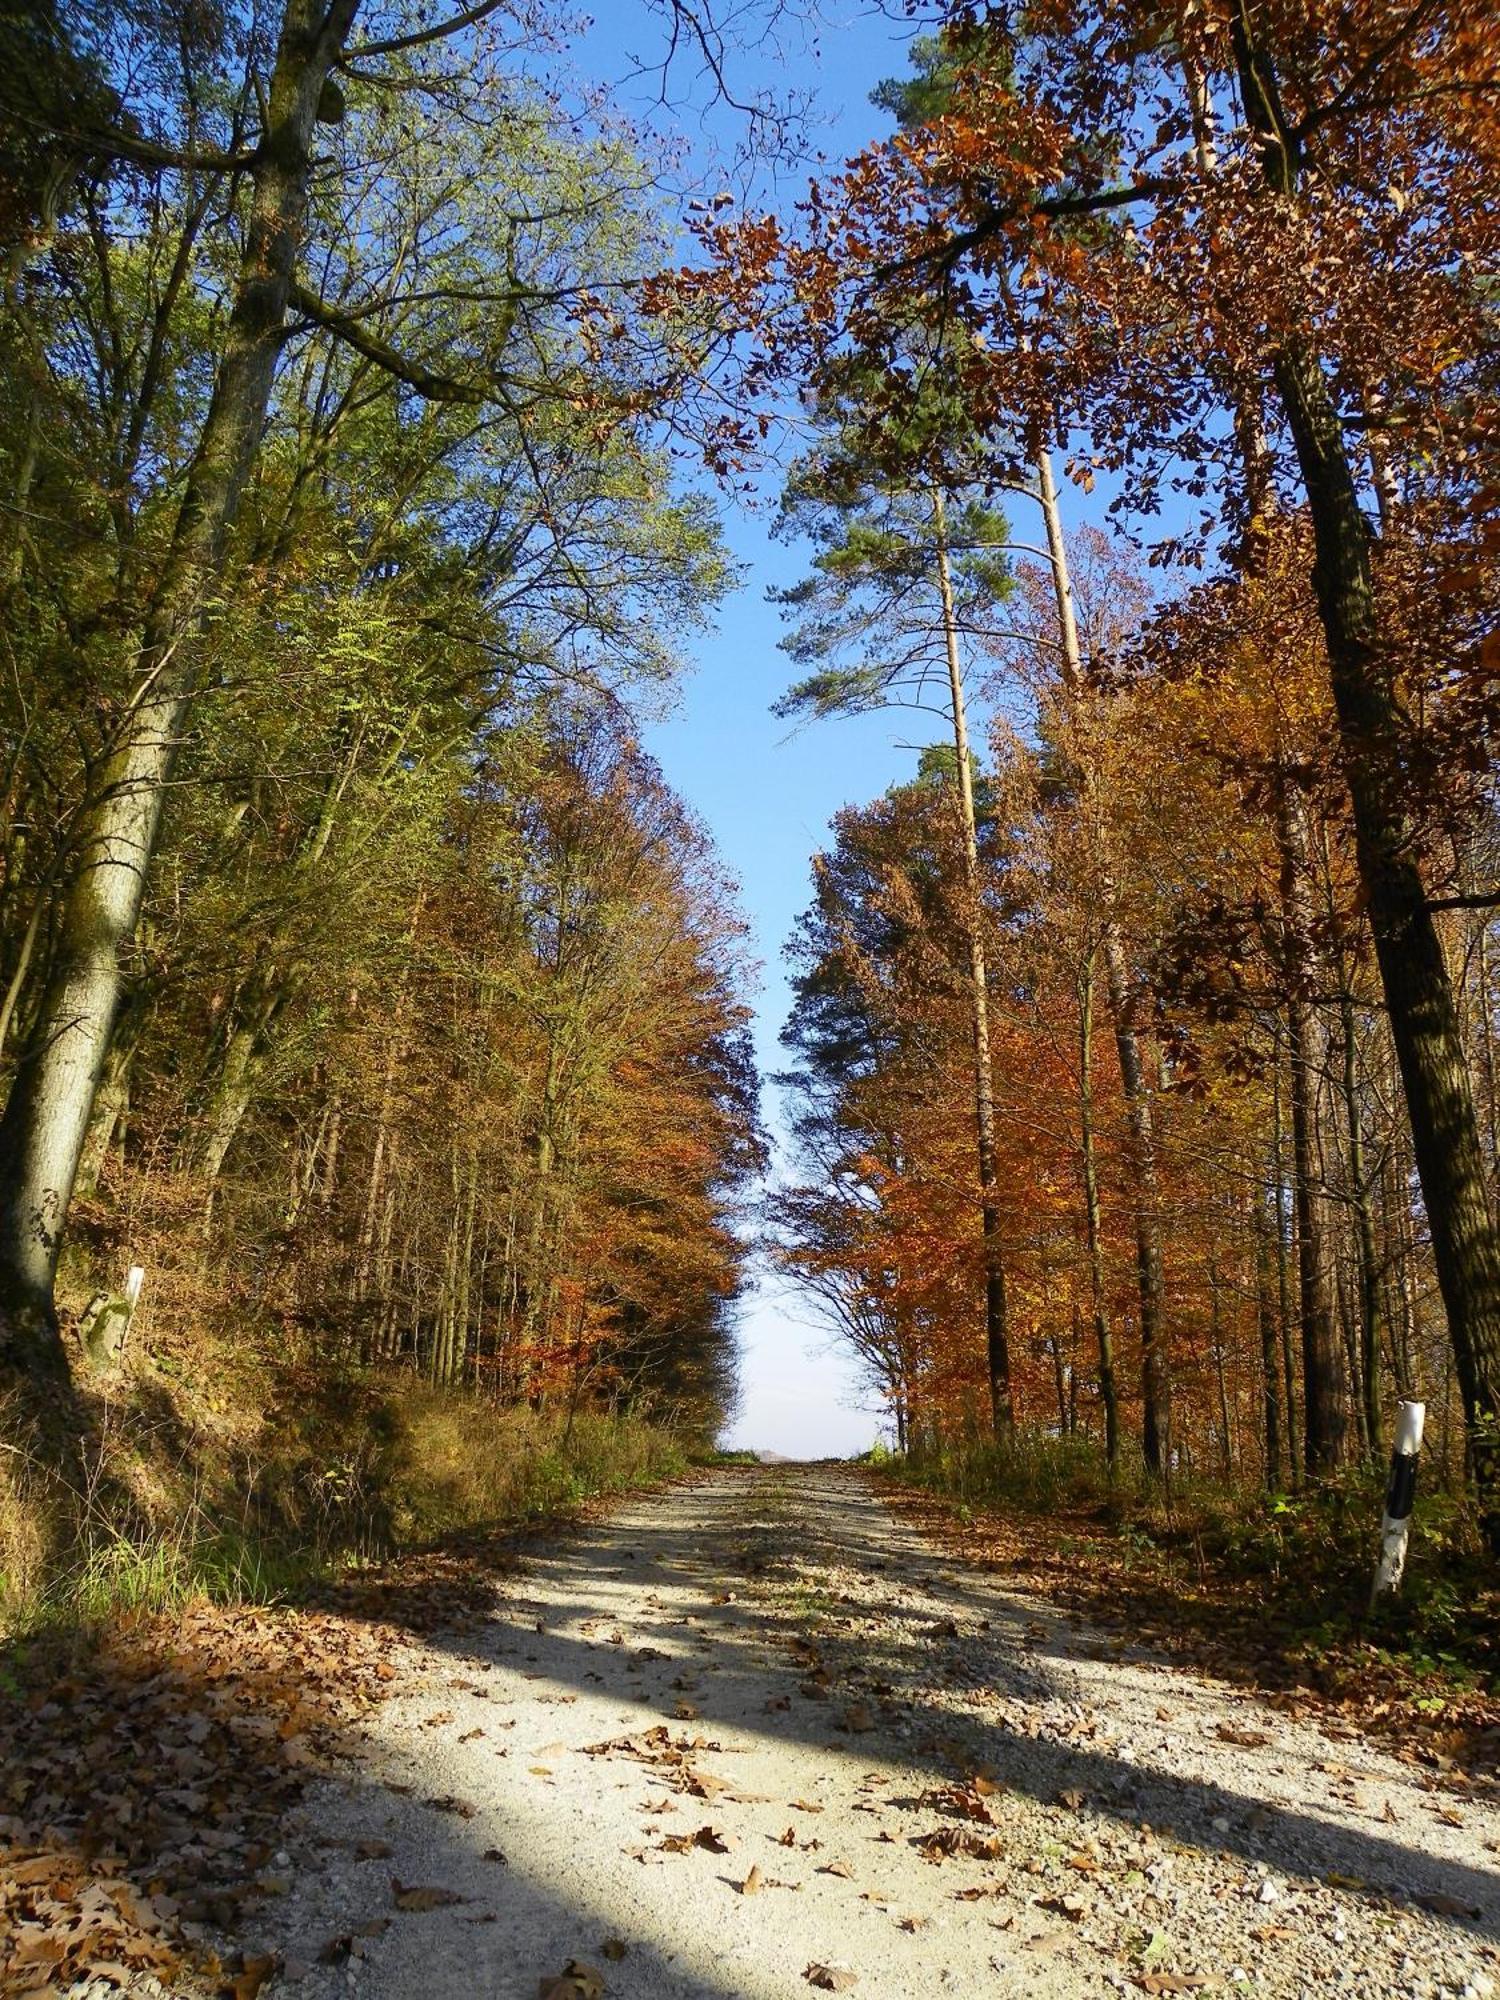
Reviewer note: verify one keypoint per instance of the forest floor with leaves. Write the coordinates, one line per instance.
(753, 1736)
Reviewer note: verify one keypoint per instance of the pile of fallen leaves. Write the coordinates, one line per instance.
(1220, 1622)
(148, 1772)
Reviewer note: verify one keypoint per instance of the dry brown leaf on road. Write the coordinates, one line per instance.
(577, 1981)
(708, 1837)
(946, 1841)
(831, 1978)
(251, 1977)
(1441, 1905)
(1245, 1739)
(413, 1896)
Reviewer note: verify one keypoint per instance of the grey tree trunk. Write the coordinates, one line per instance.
(1139, 1116)
(1283, 1271)
(1266, 1327)
(997, 1331)
(1370, 1315)
(112, 1105)
(1324, 1385)
(1108, 1392)
(46, 1117)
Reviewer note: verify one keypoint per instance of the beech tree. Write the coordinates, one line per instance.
(1291, 208)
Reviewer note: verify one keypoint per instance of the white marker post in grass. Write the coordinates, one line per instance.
(1395, 1528)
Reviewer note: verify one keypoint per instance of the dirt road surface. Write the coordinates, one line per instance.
(755, 1737)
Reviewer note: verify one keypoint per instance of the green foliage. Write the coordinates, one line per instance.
(366, 1475)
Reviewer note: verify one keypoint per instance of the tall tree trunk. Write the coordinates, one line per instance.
(1216, 1341)
(1108, 1392)
(234, 1087)
(1372, 735)
(1364, 1227)
(46, 1117)
(997, 1333)
(1139, 1116)
(1324, 1384)
(112, 1105)
(1283, 1262)
(1266, 1327)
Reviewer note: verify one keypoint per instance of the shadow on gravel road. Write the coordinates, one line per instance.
(936, 1619)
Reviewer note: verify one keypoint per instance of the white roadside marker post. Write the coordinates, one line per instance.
(1395, 1526)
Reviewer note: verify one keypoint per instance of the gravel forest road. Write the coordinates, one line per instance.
(755, 1737)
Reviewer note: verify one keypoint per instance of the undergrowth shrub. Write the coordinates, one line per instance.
(177, 1498)
(1300, 1560)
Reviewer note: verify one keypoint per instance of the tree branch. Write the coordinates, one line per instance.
(1477, 901)
(108, 141)
(469, 17)
(416, 375)
(1152, 187)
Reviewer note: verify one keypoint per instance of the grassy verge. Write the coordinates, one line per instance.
(164, 1510)
(1267, 1588)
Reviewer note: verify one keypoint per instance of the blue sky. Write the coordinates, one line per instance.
(767, 797)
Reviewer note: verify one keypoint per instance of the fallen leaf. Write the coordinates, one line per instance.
(1072, 1907)
(245, 1983)
(1442, 1905)
(373, 1850)
(831, 1978)
(1245, 1739)
(448, 1804)
(754, 1882)
(576, 1981)
(946, 1841)
(411, 1897)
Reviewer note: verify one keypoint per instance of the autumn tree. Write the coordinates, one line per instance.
(1290, 211)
